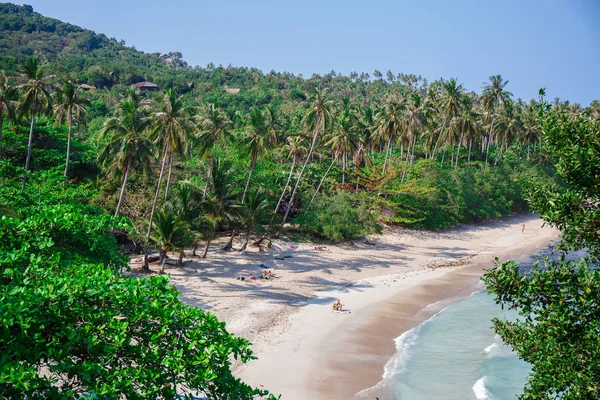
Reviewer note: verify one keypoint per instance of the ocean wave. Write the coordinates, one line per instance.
(499, 350)
(480, 390)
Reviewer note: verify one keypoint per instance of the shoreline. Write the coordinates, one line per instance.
(306, 351)
(345, 356)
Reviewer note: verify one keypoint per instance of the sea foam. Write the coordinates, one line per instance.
(480, 389)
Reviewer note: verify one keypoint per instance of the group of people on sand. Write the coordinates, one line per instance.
(267, 275)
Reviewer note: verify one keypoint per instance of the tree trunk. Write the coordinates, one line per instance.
(387, 151)
(443, 155)
(252, 163)
(487, 150)
(162, 170)
(169, 175)
(1, 139)
(180, 260)
(286, 185)
(246, 240)
(470, 144)
(194, 249)
(127, 162)
(321, 182)
(407, 157)
(210, 161)
(28, 160)
(312, 147)
(229, 244)
(205, 249)
(438, 139)
(162, 265)
(69, 143)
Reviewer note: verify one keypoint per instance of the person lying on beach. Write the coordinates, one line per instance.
(338, 306)
(321, 248)
(251, 278)
(241, 278)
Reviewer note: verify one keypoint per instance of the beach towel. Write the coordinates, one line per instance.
(263, 266)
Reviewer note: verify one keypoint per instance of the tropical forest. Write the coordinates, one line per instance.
(107, 153)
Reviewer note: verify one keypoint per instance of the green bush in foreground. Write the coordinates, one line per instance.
(71, 324)
(339, 217)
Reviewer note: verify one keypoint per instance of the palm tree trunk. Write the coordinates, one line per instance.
(487, 150)
(69, 143)
(229, 244)
(438, 139)
(387, 152)
(246, 240)
(28, 160)
(162, 170)
(123, 186)
(180, 260)
(443, 155)
(406, 162)
(205, 249)
(252, 163)
(286, 184)
(1, 122)
(169, 175)
(470, 144)
(162, 265)
(312, 147)
(321, 182)
(210, 161)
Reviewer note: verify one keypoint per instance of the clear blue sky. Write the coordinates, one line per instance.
(532, 43)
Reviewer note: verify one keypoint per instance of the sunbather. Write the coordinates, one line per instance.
(338, 306)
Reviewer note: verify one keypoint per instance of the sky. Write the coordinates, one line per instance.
(553, 44)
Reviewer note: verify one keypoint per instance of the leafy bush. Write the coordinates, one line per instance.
(339, 217)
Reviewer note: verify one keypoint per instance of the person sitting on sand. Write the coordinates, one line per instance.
(269, 244)
(266, 274)
(338, 306)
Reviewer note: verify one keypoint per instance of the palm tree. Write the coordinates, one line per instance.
(318, 119)
(273, 124)
(128, 146)
(214, 127)
(172, 125)
(389, 125)
(343, 141)
(413, 117)
(467, 124)
(255, 140)
(36, 99)
(69, 104)
(8, 102)
(450, 104)
(493, 93)
(255, 214)
(294, 148)
(170, 234)
(509, 126)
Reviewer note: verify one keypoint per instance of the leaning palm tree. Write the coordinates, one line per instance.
(35, 101)
(128, 146)
(318, 119)
(68, 104)
(172, 125)
(255, 140)
(214, 127)
(493, 93)
(8, 102)
(413, 119)
(294, 148)
(343, 140)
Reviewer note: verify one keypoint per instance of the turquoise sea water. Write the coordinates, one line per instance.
(456, 355)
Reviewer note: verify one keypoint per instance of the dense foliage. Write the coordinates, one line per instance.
(334, 155)
(72, 324)
(559, 332)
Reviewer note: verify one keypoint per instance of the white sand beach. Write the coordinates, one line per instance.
(387, 283)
